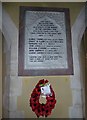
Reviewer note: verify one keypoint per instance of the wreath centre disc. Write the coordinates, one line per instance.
(42, 89)
(42, 100)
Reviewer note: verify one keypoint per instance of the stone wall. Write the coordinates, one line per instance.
(15, 97)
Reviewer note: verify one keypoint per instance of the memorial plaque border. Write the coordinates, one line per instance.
(44, 72)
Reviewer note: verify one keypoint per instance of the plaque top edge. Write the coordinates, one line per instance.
(37, 8)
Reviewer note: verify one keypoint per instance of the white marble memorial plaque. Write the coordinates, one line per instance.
(45, 40)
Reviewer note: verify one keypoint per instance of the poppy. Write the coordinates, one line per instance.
(42, 109)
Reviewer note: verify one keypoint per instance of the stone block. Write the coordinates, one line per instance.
(77, 97)
(12, 103)
(75, 112)
(75, 82)
(15, 86)
(16, 114)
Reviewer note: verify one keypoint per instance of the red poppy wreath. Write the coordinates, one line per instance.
(42, 109)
